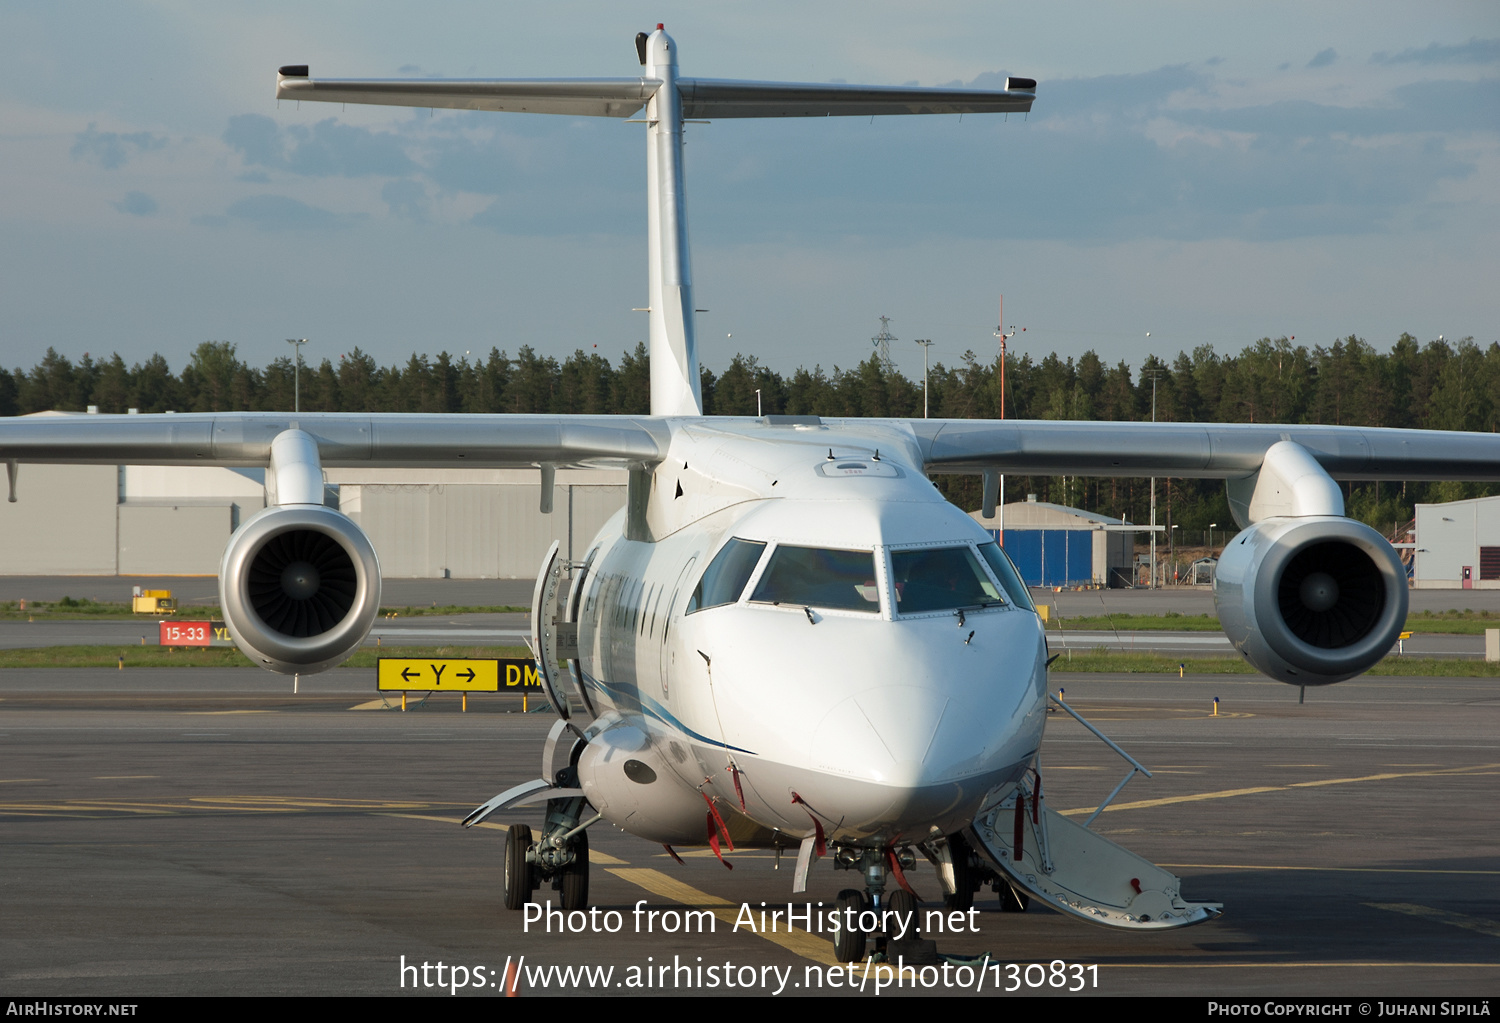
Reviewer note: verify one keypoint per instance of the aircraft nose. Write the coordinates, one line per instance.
(902, 736)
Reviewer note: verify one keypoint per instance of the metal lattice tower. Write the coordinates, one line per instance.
(882, 343)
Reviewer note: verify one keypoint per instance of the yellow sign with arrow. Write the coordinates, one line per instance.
(423, 674)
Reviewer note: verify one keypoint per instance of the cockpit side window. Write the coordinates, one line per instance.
(820, 577)
(1006, 572)
(725, 578)
(941, 579)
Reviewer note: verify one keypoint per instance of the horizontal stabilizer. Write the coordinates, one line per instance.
(579, 97)
(713, 97)
(624, 97)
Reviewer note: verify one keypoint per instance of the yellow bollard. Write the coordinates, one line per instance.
(403, 701)
(523, 703)
(466, 704)
(122, 662)
(1180, 669)
(1216, 706)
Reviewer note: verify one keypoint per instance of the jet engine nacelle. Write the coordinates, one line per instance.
(299, 587)
(1311, 600)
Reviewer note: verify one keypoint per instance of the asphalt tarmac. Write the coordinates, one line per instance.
(207, 832)
(204, 590)
(512, 630)
(420, 630)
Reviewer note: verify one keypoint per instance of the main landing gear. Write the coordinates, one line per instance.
(561, 856)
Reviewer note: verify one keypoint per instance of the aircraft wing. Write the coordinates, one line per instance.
(579, 97)
(344, 439)
(714, 97)
(1207, 450)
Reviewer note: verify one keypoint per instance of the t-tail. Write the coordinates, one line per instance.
(668, 101)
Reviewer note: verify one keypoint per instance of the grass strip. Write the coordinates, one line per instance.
(1451, 623)
(218, 657)
(1144, 663)
(366, 657)
(68, 610)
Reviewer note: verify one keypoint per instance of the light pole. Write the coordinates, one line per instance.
(926, 344)
(1155, 373)
(297, 343)
(1172, 549)
(1211, 526)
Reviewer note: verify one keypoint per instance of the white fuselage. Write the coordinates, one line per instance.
(880, 723)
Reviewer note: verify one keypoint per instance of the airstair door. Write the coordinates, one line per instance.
(1069, 868)
(545, 630)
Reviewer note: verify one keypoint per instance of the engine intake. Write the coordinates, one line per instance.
(300, 588)
(1311, 600)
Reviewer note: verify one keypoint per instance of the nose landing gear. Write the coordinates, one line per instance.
(891, 922)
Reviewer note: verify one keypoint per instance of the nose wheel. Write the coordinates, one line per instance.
(848, 937)
(889, 917)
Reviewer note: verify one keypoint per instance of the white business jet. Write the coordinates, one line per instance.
(788, 638)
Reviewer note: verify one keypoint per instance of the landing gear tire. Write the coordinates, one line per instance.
(964, 881)
(573, 880)
(904, 904)
(518, 886)
(849, 942)
(1012, 901)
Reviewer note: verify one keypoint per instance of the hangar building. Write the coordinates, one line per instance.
(434, 524)
(1053, 545)
(1458, 545)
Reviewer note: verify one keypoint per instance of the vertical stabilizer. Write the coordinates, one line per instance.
(667, 98)
(675, 388)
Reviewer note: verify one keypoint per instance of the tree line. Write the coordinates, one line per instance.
(1438, 385)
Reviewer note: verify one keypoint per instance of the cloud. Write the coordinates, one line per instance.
(137, 204)
(1101, 159)
(327, 149)
(283, 213)
(1323, 58)
(406, 198)
(1431, 106)
(1475, 51)
(110, 149)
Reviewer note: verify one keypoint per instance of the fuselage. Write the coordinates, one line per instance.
(809, 632)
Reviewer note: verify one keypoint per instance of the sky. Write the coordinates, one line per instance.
(1191, 173)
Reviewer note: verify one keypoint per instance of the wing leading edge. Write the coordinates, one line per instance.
(1031, 447)
(1205, 450)
(343, 439)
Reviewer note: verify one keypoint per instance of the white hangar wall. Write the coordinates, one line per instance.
(1455, 540)
(474, 524)
(63, 522)
(154, 520)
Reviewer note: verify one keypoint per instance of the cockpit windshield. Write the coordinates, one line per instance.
(820, 577)
(725, 578)
(941, 579)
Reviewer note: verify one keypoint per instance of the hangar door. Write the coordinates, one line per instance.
(1051, 557)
